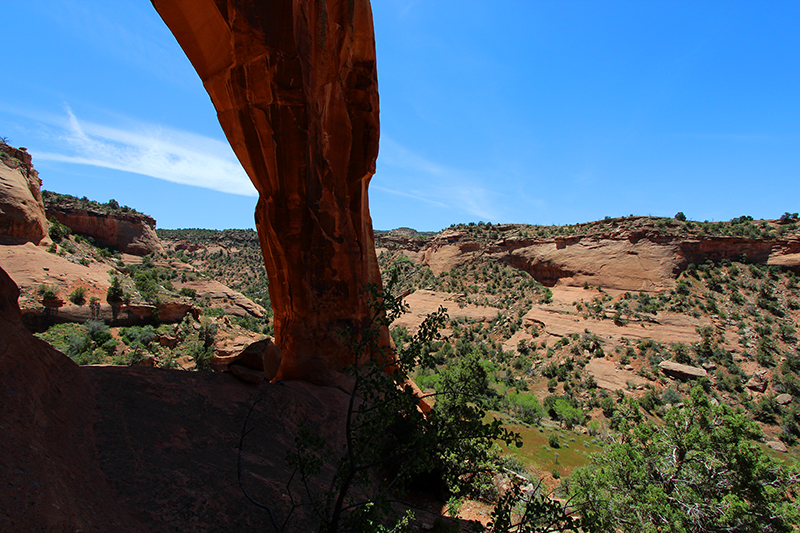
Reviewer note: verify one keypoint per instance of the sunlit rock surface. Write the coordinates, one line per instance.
(295, 88)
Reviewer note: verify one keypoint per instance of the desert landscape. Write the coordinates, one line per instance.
(635, 373)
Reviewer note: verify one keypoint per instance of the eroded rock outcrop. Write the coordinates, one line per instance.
(22, 214)
(52, 479)
(132, 233)
(637, 256)
(295, 88)
(125, 448)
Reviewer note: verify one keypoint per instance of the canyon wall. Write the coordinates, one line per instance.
(639, 259)
(132, 233)
(294, 83)
(21, 211)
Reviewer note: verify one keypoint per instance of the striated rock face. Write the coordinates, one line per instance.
(132, 233)
(630, 260)
(295, 88)
(21, 211)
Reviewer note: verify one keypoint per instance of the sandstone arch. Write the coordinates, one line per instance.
(294, 83)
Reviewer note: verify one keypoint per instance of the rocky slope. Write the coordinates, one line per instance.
(123, 229)
(22, 216)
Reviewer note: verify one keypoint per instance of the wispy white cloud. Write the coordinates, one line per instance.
(154, 151)
(410, 195)
(435, 183)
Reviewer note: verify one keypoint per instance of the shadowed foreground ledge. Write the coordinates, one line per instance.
(142, 449)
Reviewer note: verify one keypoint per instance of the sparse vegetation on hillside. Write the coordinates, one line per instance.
(232, 257)
(55, 199)
(580, 388)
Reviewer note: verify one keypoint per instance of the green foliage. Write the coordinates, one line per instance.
(115, 294)
(138, 337)
(700, 471)
(535, 512)
(526, 407)
(47, 292)
(188, 292)
(146, 285)
(78, 296)
(58, 231)
(564, 410)
(85, 344)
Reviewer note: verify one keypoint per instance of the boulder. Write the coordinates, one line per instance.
(757, 383)
(261, 356)
(778, 446)
(22, 216)
(783, 399)
(682, 372)
(296, 92)
(247, 374)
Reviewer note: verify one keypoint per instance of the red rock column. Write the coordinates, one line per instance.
(295, 86)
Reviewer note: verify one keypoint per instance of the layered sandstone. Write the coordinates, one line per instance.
(295, 88)
(132, 233)
(627, 260)
(22, 214)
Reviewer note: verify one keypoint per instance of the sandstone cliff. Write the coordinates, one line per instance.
(635, 254)
(131, 232)
(22, 214)
(295, 88)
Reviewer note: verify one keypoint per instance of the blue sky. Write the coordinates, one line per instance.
(497, 110)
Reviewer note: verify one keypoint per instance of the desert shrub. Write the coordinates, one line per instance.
(146, 285)
(47, 292)
(186, 291)
(78, 296)
(138, 336)
(704, 457)
(526, 407)
(58, 231)
(115, 293)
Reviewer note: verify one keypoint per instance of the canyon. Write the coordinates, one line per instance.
(593, 316)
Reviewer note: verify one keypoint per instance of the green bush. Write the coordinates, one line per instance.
(115, 294)
(554, 441)
(703, 457)
(47, 292)
(138, 336)
(186, 291)
(58, 231)
(78, 296)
